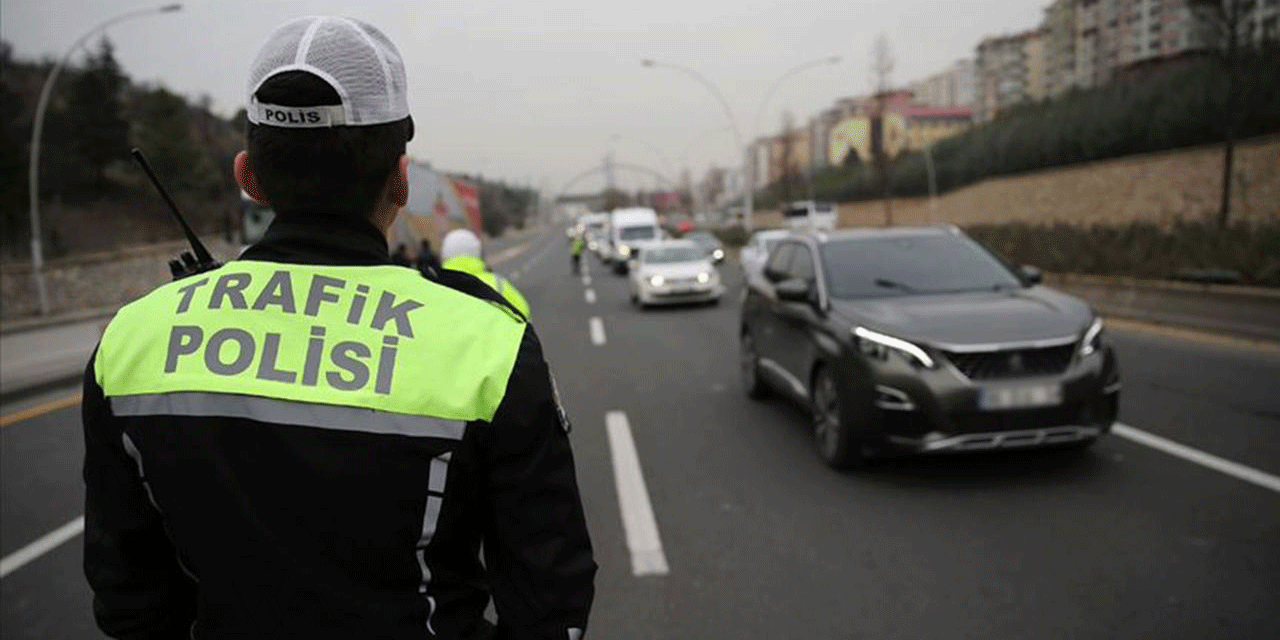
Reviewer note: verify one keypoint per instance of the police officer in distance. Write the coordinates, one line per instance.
(312, 442)
(461, 250)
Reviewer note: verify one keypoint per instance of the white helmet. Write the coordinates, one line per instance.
(460, 242)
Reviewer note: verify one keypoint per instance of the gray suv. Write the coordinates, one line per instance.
(920, 340)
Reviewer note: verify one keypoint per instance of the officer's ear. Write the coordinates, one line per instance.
(247, 179)
(398, 183)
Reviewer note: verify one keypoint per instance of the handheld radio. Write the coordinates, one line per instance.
(188, 263)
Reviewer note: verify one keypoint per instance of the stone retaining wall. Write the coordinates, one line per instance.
(105, 279)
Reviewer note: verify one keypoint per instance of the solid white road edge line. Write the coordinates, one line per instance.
(45, 544)
(647, 558)
(590, 296)
(1221, 465)
(597, 331)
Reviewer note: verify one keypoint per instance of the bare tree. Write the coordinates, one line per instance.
(1223, 22)
(882, 62)
(786, 149)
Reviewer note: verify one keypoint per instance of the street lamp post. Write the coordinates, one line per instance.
(33, 175)
(749, 196)
(748, 166)
(764, 103)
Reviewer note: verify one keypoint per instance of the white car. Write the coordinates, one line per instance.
(756, 251)
(673, 272)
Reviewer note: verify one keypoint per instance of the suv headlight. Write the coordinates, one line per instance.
(704, 277)
(657, 281)
(878, 345)
(1091, 343)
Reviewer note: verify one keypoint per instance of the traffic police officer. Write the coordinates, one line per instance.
(461, 251)
(312, 442)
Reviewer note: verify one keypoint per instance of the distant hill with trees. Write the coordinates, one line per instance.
(92, 196)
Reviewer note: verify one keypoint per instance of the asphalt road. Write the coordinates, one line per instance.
(761, 541)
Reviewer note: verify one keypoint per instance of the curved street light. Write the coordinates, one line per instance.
(796, 70)
(748, 166)
(33, 177)
(749, 196)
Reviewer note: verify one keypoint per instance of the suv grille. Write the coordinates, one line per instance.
(1013, 363)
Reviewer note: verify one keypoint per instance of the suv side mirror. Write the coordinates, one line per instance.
(1031, 274)
(794, 290)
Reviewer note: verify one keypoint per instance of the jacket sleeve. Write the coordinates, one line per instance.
(140, 590)
(537, 548)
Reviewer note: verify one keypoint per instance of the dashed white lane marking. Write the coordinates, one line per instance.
(647, 558)
(45, 544)
(1221, 465)
(586, 281)
(597, 331)
(590, 295)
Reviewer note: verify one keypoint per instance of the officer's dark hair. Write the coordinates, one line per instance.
(337, 170)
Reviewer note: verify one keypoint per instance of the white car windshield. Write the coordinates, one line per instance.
(660, 255)
(636, 233)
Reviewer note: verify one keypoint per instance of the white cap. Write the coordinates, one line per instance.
(460, 242)
(356, 59)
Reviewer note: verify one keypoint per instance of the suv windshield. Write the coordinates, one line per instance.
(636, 233)
(673, 254)
(877, 267)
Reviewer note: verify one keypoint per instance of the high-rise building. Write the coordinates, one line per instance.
(953, 87)
(1010, 70)
(1088, 42)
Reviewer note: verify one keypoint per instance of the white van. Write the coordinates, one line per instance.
(807, 214)
(631, 229)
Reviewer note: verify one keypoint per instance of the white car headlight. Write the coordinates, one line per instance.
(878, 345)
(592, 246)
(657, 281)
(704, 277)
(624, 251)
(1092, 341)
(718, 254)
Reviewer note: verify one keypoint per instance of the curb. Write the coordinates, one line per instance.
(24, 325)
(33, 389)
(1202, 325)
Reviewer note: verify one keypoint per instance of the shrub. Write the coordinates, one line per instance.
(1142, 249)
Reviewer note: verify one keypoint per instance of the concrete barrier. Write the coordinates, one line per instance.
(1250, 312)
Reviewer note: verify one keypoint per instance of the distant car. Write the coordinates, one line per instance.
(674, 271)
(920, 340)
(807, 214)
(709, 243)
(757, 249)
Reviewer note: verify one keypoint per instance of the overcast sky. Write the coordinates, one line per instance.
(535, 90)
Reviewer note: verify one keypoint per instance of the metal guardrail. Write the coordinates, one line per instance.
(1250, 312)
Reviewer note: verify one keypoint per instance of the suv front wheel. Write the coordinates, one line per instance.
(831, 432)
(750, 368)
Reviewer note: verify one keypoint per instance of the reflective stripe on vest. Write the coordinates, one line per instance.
(377, 349)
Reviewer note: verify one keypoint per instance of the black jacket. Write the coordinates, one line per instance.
(216, 527)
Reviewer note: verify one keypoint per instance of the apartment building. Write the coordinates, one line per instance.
(1010, 70)
(1088, 42)
(953, 87)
